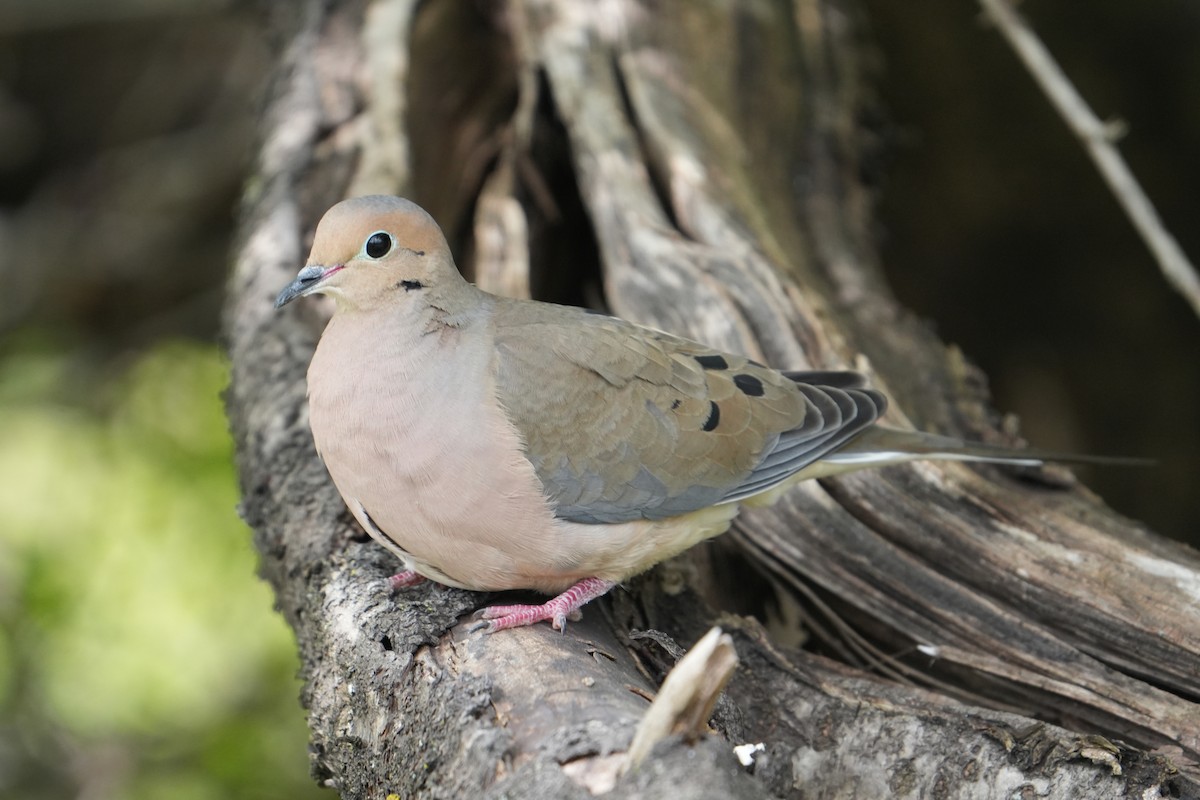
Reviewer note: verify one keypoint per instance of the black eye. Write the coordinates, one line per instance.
(378, 245)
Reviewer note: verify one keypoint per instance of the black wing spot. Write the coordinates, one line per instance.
(676, 403)
(712, 362)
(714, 416)
(750, 385)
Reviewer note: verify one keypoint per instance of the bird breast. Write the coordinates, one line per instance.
(411, 433)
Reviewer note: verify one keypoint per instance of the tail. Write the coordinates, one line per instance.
(879, 446)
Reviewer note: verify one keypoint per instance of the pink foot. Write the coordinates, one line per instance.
(497, 618)
(403, 580)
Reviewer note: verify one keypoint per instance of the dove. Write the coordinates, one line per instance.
(495, 444)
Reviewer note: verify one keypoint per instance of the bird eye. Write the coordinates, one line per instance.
(378, 244)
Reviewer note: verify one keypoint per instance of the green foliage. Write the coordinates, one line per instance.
(139, 655)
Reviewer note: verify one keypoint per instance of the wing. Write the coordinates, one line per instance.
(622, 422)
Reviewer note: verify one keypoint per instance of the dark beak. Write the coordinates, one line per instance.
(308, 280)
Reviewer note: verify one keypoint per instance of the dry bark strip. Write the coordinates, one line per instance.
(702, 158)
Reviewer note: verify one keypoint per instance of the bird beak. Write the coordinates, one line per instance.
(306, 282)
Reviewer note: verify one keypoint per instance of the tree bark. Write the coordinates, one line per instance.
(967, 632)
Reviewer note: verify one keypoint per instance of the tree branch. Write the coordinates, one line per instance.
(1098, 138)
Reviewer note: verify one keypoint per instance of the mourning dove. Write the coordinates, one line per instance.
(497, 444)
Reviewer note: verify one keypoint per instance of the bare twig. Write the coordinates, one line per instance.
(1098, 138)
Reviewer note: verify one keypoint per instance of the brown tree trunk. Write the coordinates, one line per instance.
(697, 166)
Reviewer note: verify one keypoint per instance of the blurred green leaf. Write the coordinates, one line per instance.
(130, 614)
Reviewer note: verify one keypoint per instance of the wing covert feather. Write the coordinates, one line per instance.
(622, 422)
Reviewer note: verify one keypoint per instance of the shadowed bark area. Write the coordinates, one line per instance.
(971, 632)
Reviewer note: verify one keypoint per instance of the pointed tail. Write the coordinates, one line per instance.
(878, 446)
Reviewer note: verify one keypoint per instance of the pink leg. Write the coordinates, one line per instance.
(500, 617)
(403, 580)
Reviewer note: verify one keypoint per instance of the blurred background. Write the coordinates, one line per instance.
(139, 654)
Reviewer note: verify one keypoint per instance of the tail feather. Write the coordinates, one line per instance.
(878, 446)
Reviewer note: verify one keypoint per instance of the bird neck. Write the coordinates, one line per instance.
(416, 312)
(455, 303)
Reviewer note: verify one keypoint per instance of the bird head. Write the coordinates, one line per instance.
(366, 250)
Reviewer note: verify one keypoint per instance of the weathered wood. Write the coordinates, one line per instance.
(704, 156)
